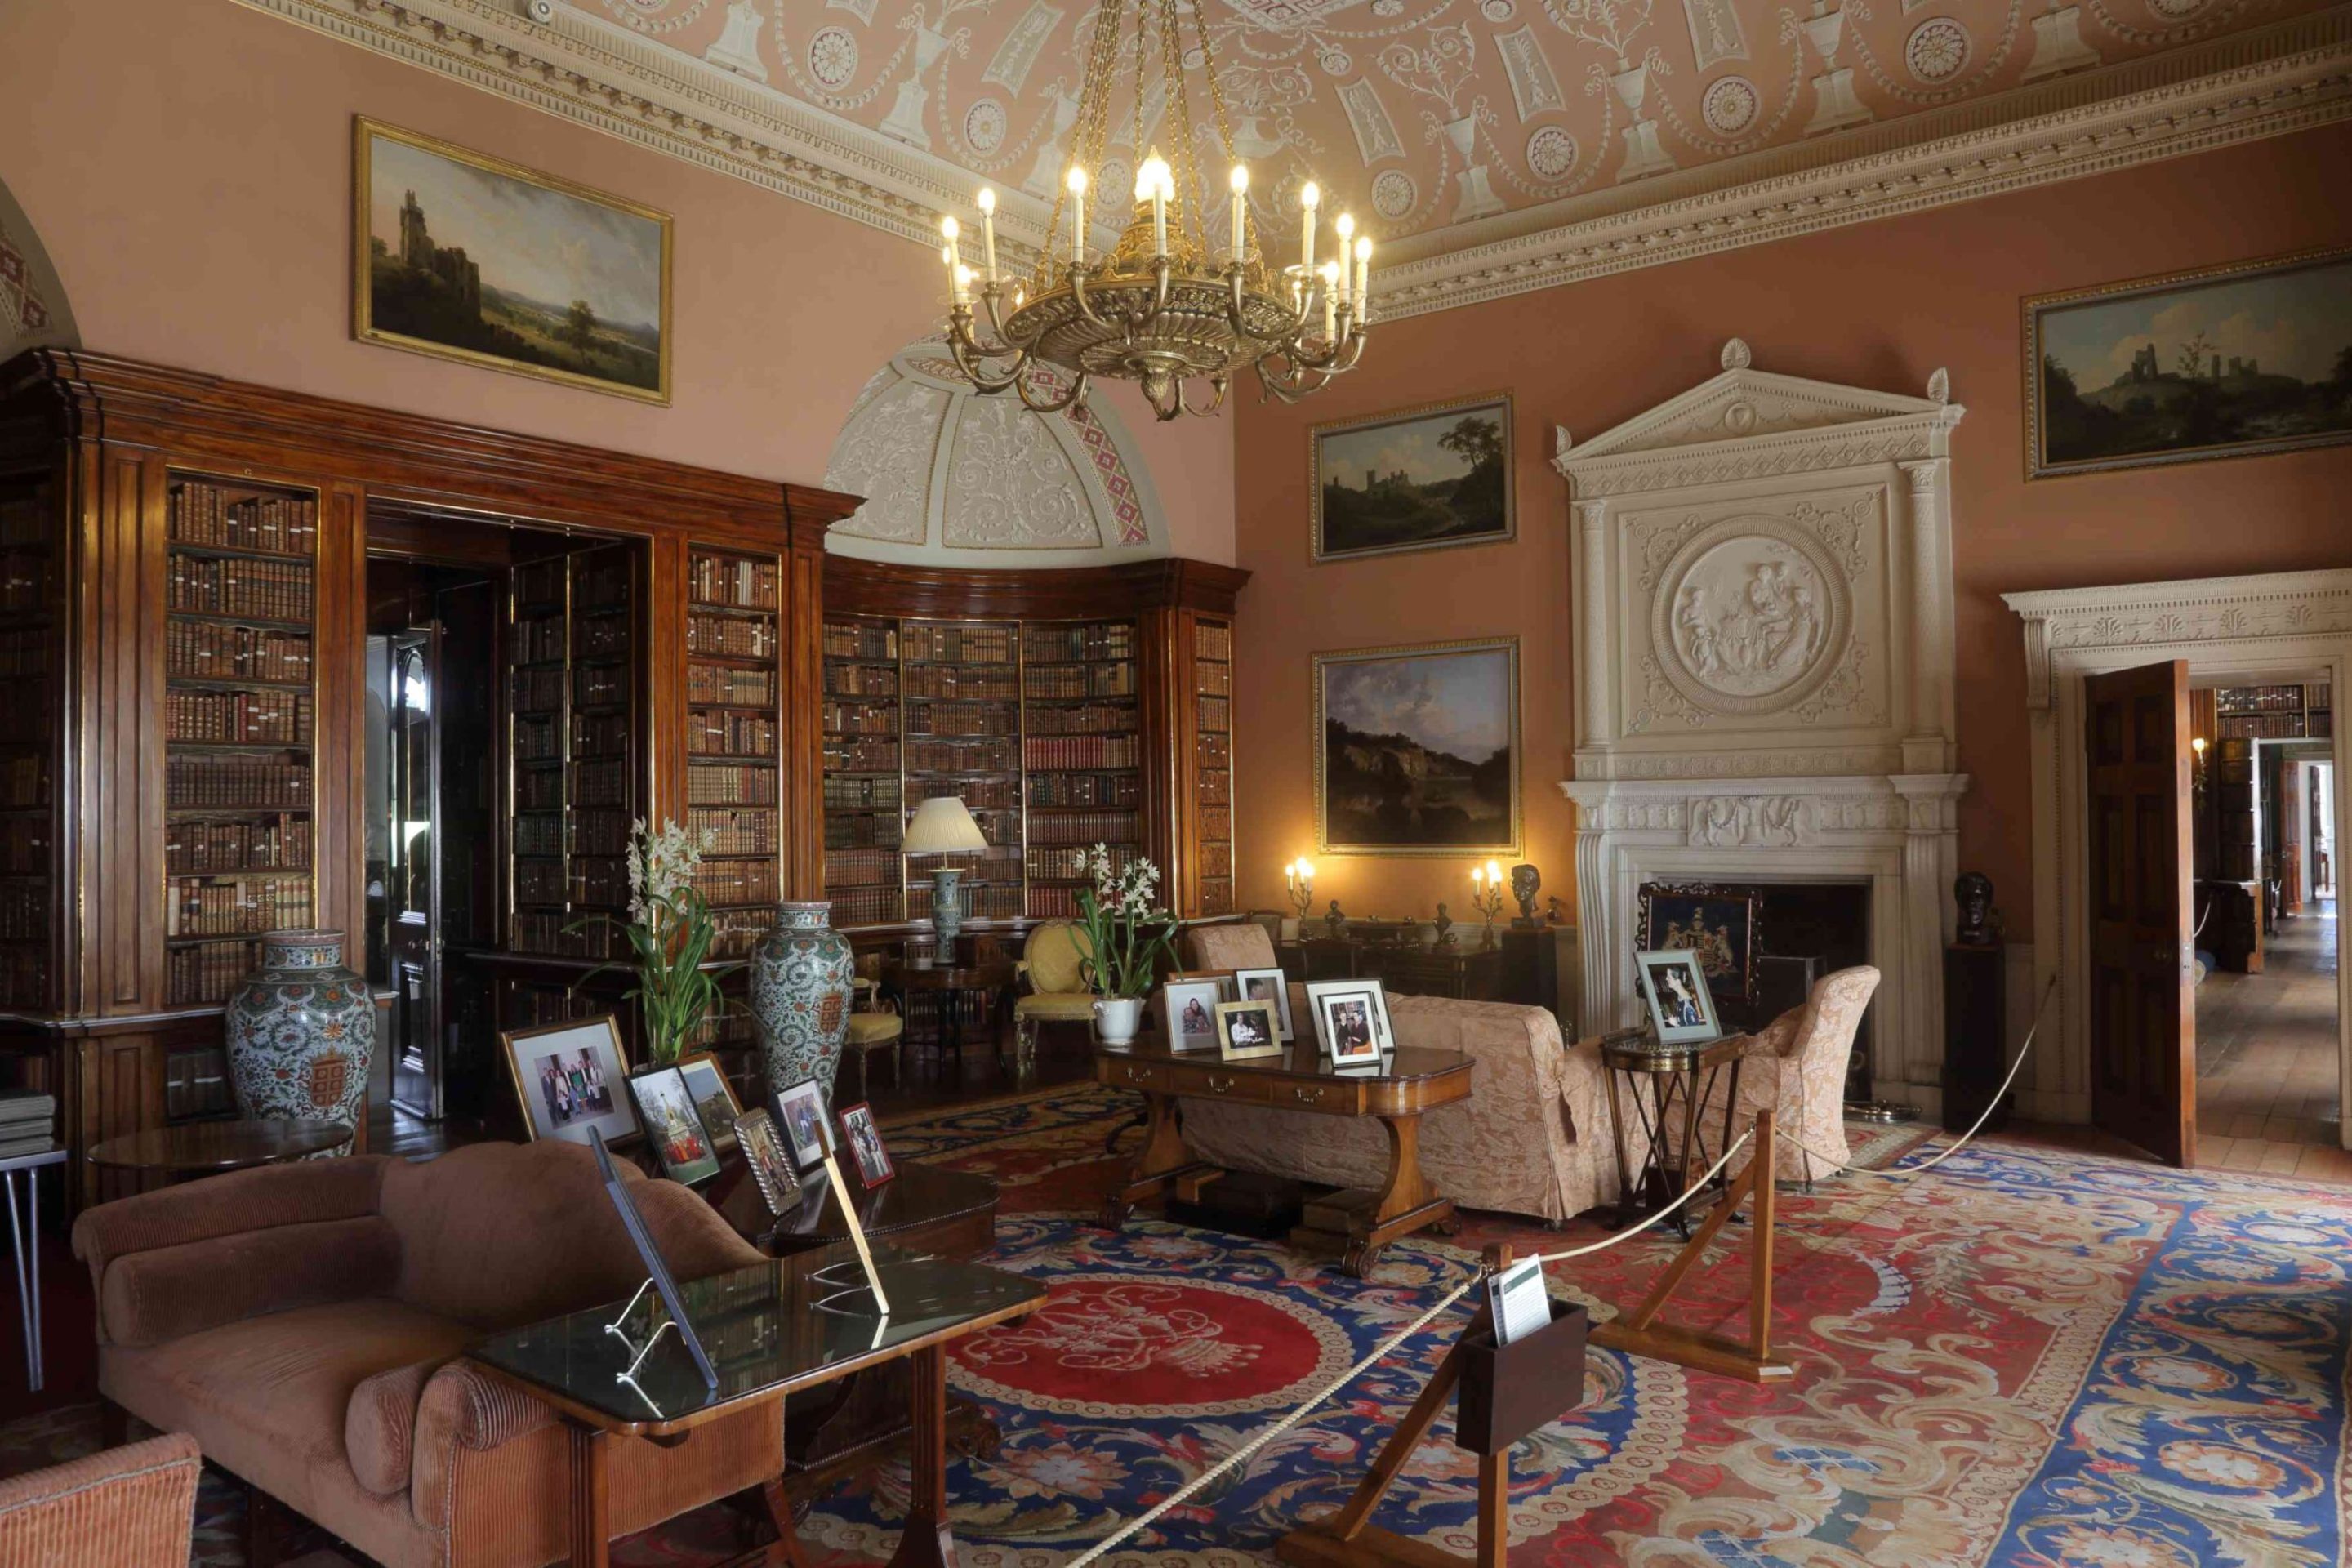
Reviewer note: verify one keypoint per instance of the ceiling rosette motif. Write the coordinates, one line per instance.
(1424, 115)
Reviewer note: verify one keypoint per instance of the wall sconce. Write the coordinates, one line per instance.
(1487, 894)
(2197, 769)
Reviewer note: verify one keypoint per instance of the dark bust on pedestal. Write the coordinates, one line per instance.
(1976, 1007)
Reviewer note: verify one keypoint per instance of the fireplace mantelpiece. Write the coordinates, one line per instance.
(1763, 622)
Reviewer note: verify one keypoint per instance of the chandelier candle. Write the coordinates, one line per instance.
(1164, 306)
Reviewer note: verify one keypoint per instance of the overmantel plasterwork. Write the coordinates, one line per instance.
(2261, 82)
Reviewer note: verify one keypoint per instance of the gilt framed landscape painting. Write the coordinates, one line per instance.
(470, 257)
(1417, 749)
(1419, 478)
(2225, 362)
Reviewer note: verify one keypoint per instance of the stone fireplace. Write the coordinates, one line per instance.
(1763, 634)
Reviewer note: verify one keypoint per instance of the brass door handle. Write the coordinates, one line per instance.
(1139, 1075)
(1218, 1085)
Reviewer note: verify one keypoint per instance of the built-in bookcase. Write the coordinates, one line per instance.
(1082, 756)
(240, 710)
(960, 700)
(733, 727)
(29, 654)
(572, 704)
(2276, 713)
(864, 789)
(1213, 764)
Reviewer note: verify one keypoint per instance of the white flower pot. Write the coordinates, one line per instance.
(1116, 1019)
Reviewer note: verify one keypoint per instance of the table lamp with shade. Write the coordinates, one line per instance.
(942, 826)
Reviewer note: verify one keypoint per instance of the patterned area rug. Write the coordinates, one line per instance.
(2032, 1358)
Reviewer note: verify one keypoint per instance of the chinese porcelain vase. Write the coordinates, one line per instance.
(801, 984)
(301, 1033)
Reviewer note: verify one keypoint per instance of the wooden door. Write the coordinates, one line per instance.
(2143, 1014)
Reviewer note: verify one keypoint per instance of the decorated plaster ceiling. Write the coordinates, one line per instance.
(1425, 114)
(945, 471)
(33, 311)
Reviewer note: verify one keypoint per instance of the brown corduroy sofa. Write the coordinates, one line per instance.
(304, 1324)
(132, 1507)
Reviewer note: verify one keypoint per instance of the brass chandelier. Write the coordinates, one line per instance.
(1162, 308)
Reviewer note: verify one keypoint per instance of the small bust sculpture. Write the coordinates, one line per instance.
(1444, 924)
(1972, 890)
(1334, 921)
(1555, 912)
(1525, 880)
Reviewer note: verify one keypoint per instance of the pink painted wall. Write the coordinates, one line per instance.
(1881, 305)
(188, 166)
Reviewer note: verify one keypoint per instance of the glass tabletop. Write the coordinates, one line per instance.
(1303, 1058)
(768, 1329)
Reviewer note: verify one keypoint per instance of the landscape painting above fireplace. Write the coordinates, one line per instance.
(470, 257)
(1417, 749)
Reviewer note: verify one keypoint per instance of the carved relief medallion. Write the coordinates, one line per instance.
(1749, 616)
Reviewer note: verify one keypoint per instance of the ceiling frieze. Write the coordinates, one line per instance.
(2237, 87)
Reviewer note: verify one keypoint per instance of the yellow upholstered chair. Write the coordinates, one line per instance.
(874, 1025)
(1052, 963)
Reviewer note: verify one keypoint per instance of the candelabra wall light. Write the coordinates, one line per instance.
(1487, 894)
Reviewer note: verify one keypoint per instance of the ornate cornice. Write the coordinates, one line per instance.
(2189, 610)
(2263, 83)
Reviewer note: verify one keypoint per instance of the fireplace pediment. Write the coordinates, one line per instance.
(1763, 635)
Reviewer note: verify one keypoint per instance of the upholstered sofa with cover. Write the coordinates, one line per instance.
(304, 1324)
(132, 1507)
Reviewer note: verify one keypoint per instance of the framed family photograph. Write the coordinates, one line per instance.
(1674, 986)
(1188, 1007)
(1347, 1025)
(1718, 923)
(568, 1078)
(1417, 749)
(865, 1142)
(714, 1098)
(1247, 1029)
(772, 1168)
(1373, 995)
(1269, 985)
(807, 1132)
(1419, 478)
(470, 257)
(2225, 362)
(673, 1126)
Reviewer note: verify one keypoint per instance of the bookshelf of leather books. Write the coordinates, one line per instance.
(1063, 708)
(30, 665)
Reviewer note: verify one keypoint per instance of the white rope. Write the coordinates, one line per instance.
(1912, 1172)
(1190, 1488)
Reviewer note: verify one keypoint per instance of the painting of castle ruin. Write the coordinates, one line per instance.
(466, 256)
(1416, 479)
(2224, 363)
(1418, 749)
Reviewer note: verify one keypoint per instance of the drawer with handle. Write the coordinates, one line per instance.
(1327, 1099)
(1206, 1080)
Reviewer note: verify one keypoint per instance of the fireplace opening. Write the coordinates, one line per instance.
(1802, 931)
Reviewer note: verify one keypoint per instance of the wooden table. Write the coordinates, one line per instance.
(1673, 1076)
(944, 982)
(209, 1148)
(1355, 1223)
(929, 1210)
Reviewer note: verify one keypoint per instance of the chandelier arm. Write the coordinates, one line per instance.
(1218, 382)
(1086, 306)
(1076, 394)
(961, 347)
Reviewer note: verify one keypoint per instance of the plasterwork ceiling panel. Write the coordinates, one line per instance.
(1424, 114)
(886, 454)
(1011, 486)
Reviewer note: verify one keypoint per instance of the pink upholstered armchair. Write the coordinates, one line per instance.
(1795, 1068)
(132, 1507)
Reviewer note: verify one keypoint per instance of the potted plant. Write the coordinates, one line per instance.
(670, 930)
(1126, 937)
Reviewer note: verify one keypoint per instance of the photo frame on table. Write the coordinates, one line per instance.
(714, 1097)
(1266, 985)
(1417, 749)
(1247, 1029)
(808, 1130)
(761, 1142)
(1673, 983)
(657, 1272)
(1426, 478)
(864, 1141)
(2233, 361)
(1188, 1009)
(673, 1126)
(1385, 1037)
(467, 257)
(1347, 1025)
(568, 1078)
(1721, 923)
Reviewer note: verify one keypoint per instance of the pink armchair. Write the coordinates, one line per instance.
(1795, 1068)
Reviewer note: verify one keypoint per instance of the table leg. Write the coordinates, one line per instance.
(927, 1542)
(1364, 1223)
(1691, 1107)
(28, 1286)
(591, 1498)
(1627, 1203)
(1162, 1158)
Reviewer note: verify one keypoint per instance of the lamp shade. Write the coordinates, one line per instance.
(942, 826)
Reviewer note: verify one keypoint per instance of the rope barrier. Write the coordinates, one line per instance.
(1177, 1497)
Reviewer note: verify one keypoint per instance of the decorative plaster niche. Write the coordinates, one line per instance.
(1763, 626)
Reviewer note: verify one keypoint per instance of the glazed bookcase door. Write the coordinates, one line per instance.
(241, 595)
(32, 651)
(864, 771)
(734, 733)
(1209, 821)
(960, 700)
(1082, 755)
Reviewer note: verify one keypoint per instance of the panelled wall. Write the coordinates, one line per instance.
(182, 759)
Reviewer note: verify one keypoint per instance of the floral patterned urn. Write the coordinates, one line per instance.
(801, 979)
(301, 1032)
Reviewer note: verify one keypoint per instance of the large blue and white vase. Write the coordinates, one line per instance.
(802, 981)
(301, 1033)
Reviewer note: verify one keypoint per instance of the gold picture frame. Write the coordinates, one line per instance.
(1349, 835)
(418, 299)
(2061, 437)
(1361, 537)
(566, 1069)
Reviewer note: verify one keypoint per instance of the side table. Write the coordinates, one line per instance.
(1682, 1075)
(946, 985)
(25, 1235)
(210, 1148)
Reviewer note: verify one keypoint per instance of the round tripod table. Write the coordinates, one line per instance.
(1658, 1079)
(209, 1148)
(947, 984)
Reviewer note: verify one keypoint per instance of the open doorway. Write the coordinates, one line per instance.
(2268, 1034)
